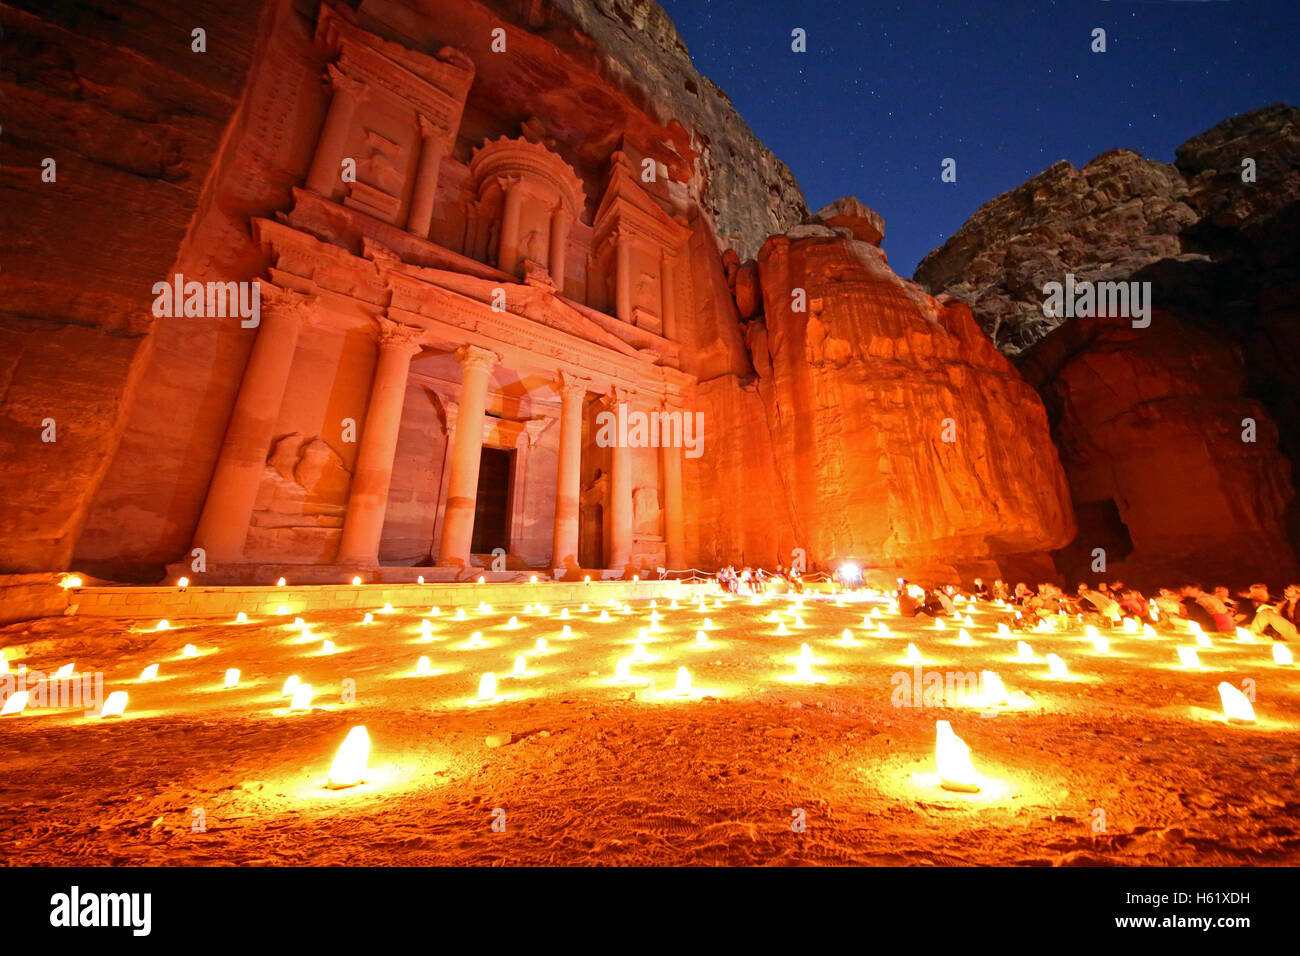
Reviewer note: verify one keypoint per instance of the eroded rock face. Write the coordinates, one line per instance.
(1174, 472)
(1215, 234)
(859, 394)
(1114, 216)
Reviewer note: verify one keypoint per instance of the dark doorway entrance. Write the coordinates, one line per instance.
(492, 506)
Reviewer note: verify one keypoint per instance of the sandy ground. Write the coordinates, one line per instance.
(1128, 762)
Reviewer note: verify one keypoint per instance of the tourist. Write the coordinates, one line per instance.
(1103, 604)
(1262, 614)
(981, 590)
(1206, 610)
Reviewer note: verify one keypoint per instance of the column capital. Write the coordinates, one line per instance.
(509, 182)
(621, 395)
(572, 386)
(396, 336)
(286, 303)
(475, 356)
(350, 85)
(428, 128)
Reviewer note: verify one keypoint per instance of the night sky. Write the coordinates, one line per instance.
(887, 90)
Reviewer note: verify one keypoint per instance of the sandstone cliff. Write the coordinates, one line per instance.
(1219, 247)
(900, 437)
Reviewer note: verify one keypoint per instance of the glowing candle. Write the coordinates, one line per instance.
(1281, 654)
(803, 669)
(1100, 644)
(913, 655)
(423, 668)
(963, 636)
(701, 639)
(476, 639)
(190, 651)
(1203, 640)
(1003, 630)
(281, 583)
(993, 691)
(541, 645)
(1194, 628)
(1024, 652)
(875, 612)
(487, 686)
(567, 631)
(782, 629)
(585, 609)
(798, 621)
(349, 766)
(327, 647)
(683, 687)
(368, 619)
(15, 703)
(513, 623)
(533, 579)
(939, 625)
(639, 654)
(805, 652)
(356, 581)
(1130, 625)
(162, 625)
(564, 614)
(604, 615)
(434, 611)
(232, 677)
(301, 698)
(1056, 667)
(64, 672)
(521, 666)
(1187, 657)
(460, 614)
(882, 630)
(115, 706)
(968, 621)
(1245, 636)
(482, 579)
(183, 583)
(149, 673)
(1236, 705)
(1148, 631)
(1091, 632)
(241, 618)
(846, 637)
(426, 629)
(956, 772)
(291, 686)
(71, 581)
(623, 670)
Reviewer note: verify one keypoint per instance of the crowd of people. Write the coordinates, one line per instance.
(1107, 604)
(758, 581)
(1217, 611)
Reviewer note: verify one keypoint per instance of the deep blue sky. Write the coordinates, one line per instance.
(888, 89)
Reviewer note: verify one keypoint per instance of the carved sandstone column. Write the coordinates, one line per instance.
(674, 528)
(326, 177)
(568, 482)
(467, 449)
(559, 243)
(368, 497)
(508, 254)
(232, 494)
(420, 219)
(620, 489)
(623, 276)
(668, 293)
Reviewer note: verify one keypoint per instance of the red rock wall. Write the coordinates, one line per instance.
(1152, 419)
(854, 396)
(133, 119)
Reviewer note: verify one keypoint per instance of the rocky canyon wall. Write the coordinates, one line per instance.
(901, 438)
(1215, 235)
